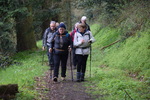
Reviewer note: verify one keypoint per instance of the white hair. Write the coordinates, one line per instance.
(83, 18)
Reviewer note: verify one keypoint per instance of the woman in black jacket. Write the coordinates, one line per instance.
(60, 43)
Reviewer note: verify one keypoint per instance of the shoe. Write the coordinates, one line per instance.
(63, 78)
(55, 79)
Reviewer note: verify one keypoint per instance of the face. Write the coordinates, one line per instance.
(52, 26)
(76, 26)
(61, 30)
(81, 29)
(83, 21)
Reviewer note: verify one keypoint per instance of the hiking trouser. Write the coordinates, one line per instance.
(50, 58)
(60, 58)
(82, 59)
(74, 57)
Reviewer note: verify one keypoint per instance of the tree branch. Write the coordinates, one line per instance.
(110, 44)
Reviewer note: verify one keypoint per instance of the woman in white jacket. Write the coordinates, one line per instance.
(82, 41)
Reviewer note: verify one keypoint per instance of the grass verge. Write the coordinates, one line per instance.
(28, 66)
(121, 71)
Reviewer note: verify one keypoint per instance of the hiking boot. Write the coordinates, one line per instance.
(63, 78)
(55, 79)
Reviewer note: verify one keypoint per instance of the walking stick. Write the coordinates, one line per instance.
(43, 58)
(90, 59)
(71, 66)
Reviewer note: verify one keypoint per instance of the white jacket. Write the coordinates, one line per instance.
(83, 48)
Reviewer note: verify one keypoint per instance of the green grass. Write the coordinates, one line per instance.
(29, 66)
(104, 36)
(120, 68)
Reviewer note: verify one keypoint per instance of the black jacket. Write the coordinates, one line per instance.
(60, 47)
(47, 36)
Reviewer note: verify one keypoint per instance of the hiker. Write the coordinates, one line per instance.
(46, 38)
(73, 50)
(57, 24)
(82, 41)
(83, 20)
(60, 44)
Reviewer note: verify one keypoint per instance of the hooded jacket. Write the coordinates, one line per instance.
(83, 48)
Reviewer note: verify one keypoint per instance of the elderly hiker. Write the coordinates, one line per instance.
(46, 38)
(82, 41)
(83, 20)
(60, 43)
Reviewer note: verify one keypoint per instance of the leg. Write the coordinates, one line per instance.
(84, 60)
(64, 58)
(79, 57)
(56, 65)
(50, 59)
(74, 58)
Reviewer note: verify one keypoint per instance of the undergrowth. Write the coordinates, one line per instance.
(120, 71)
(28, 66)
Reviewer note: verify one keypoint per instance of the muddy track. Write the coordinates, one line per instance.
(62, 90)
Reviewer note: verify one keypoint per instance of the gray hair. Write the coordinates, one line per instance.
(52, 22)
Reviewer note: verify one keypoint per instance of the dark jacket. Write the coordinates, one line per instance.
(87, 26)
(47, 36)
(58, 46)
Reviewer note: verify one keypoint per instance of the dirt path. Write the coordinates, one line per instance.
(62, 90)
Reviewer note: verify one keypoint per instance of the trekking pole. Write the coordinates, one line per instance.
(43, 58)
(51, 72)
(71, 66)
(90, 59)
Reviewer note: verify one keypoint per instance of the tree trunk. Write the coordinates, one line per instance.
(68, 11)
(65, 15)
(25, 33)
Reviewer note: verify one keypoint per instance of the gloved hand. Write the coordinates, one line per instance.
(90, 41)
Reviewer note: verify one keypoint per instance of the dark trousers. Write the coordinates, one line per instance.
(74, 57)
(82, 59)
(60, 58)
(50, 58)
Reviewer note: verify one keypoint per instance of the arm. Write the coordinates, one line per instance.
(92, 39)
(76, 41)
(51, 42)
(70, 42)
(44, 39)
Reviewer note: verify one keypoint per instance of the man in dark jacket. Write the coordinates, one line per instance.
(60, 43)
(46, 38)
(83, 20)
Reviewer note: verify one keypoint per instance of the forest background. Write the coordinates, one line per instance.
(121, 29)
